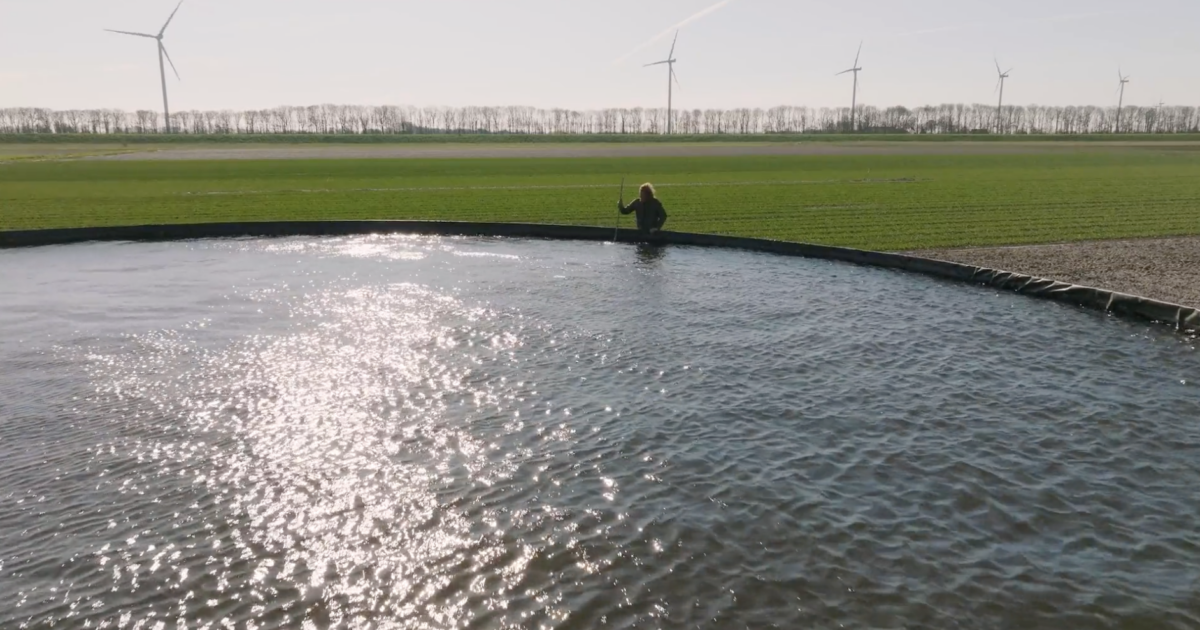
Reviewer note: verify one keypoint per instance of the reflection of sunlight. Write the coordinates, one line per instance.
(487, 255)
(334, 450)
(377, 250)
(381, 246)
(329, 413)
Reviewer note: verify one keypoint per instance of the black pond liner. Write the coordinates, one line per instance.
(1182, 318)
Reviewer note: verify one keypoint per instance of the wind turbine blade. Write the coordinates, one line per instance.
(844, 72)
(164, 28)
(168, 56)
(676, 77)
(998, 70)
(1007, 71)
(672, 53)
(858, 54)
(656, 63)
(129, 33)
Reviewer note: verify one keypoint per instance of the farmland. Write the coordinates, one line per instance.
(887, 202)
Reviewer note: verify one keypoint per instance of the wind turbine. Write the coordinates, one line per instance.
(1120, 102)
(1003, 74)
(670, 61)
(162, 52)
(854, 95)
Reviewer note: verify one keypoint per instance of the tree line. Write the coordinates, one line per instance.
(391, 119)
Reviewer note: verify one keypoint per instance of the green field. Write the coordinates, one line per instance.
(887, 202)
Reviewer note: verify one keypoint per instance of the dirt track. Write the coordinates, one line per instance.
(1165, 269)
(614, 150)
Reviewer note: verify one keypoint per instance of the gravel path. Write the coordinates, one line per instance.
(569, 150)
(1165, 269)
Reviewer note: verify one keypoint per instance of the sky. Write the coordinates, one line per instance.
(586, 54)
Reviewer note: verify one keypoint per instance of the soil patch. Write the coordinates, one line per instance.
(1165, 269)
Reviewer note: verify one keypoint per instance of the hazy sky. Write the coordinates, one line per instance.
(588, 53)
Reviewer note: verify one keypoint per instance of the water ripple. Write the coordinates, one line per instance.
(424, 433)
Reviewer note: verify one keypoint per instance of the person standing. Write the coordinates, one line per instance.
(650, 212)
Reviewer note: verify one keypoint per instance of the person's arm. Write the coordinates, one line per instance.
(632, 207)
(662, 216)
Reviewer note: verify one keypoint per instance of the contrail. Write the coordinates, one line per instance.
(702, 14)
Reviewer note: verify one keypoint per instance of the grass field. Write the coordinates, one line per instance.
(887, 202)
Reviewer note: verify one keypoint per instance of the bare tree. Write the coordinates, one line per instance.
(354, 119)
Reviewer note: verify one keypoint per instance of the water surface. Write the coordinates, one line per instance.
(428, 433)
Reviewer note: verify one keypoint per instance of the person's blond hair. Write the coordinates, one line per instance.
(647, 187)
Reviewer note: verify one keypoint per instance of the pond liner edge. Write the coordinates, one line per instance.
(1182, 318)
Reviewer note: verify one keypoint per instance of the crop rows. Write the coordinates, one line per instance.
(877, 202)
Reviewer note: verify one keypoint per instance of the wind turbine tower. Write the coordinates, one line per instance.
(670, 61)
(162, 52)
(1121, 101)
(1003, 74)
(854, 95)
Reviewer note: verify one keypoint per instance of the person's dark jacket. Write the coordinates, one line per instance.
(650, 215)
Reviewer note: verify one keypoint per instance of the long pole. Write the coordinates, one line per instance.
(1120, 102)
(1000, 109)
(162, 73)
(620, 203)
(853, 101)
(670, 77)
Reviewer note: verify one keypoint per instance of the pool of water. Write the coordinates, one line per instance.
(428, 433)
